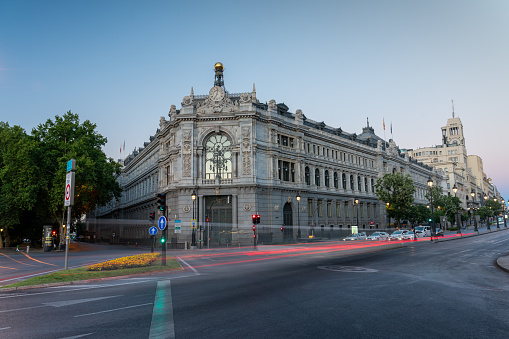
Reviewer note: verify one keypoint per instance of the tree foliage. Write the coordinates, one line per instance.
(397, 190)
(33, 169)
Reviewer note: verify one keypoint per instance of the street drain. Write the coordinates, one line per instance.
(349, 269)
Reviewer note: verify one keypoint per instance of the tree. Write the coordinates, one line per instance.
(33, 169)
(65, 139)
(397, 190)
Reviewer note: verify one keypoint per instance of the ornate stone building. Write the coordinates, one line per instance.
(243, 157)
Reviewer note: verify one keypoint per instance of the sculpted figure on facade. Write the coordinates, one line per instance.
(272, 105)
(173, 112)
(187, 153)
(298, 114)
(246, 150)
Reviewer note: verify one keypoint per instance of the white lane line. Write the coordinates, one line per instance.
(22, 309)
(190, 267)
(78, 336)
(162, 325)
(112, 310)
(4, 328)
(77, 301)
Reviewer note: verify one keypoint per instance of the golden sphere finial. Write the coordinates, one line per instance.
(218, 66)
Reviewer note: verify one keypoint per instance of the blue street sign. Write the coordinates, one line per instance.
(162, 223)
(152, 230)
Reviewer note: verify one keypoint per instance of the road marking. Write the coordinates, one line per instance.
(9, 268)
(349, 269)
(4, 328)
(162, 325)
(190, 267)
(22, 263)
(22, 309)
(42, 262)
(78, 336)
(76, 301)
(112, 310)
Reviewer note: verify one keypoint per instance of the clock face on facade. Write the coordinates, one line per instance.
(216, 93)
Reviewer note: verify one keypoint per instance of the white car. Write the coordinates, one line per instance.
(409, 235)
(420, 234)
(379, 236)
(356, 236)
(397, 235)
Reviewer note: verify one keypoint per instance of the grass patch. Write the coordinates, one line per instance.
(84, 273)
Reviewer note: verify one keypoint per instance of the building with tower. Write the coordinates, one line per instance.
(223, 157)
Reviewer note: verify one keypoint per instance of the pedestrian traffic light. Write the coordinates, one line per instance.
(161, 202)
(152, 216)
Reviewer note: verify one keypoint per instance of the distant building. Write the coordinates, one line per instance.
(464, 171)
(243, 157)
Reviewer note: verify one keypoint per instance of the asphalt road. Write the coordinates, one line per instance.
(15, 266)
(449, 289)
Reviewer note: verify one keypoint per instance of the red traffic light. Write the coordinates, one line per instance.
(258, 219)
(54, 233)
(207, 219)
(281, 228)
(253, 217)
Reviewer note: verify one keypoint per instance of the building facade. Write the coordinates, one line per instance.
(243, 157)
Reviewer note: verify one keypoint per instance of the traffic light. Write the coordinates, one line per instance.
(152, 216)
(163, 239)
(54, 233)
(253, 217)
(257, 218)
(161, 202)
(281, 228)
(207, 219)
(429, 218)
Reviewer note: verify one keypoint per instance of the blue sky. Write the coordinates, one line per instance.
(121, 64)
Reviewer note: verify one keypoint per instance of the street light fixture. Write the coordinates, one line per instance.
(498, 225)
(298, 216)
(387, 213)
(356, 201)
(430, 184)
(193, 238)
(473, 212)
(503, 212)
(458, 226)
(487, 217)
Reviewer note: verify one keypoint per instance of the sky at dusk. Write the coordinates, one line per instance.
(121, 64)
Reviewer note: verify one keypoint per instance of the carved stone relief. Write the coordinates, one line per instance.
(246, 150)
(187, 149)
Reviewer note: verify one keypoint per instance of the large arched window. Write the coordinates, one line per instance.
(336, 184)
(317, 177)
(327, 178)
(218, 157)
(344, 180)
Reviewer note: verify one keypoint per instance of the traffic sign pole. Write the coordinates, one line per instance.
(68, 201)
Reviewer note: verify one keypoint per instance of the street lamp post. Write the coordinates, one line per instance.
(473, 212)
(430, 184)
(487, 216)
(503, 212)
(387, 214)
(193, 237)
(458, 226)
(298, 216)
(357, 207)
(498, 225)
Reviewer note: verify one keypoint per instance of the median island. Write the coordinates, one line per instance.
(125, 266)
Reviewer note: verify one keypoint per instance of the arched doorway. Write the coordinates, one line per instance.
(287, 222)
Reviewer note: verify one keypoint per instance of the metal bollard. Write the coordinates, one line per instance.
(28, 248)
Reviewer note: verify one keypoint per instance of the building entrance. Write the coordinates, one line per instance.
(219, 228)
(287, 222)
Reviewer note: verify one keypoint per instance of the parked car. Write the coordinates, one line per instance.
(397, 235)
(379, 236)
(356, 236)
(409, 235)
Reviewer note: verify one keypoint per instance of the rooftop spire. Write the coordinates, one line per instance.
(452, 101)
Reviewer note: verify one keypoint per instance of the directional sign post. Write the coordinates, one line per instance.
(162, 223)
(178, 225)
(152, 230)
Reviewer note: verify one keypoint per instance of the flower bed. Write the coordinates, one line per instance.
(140, 260)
